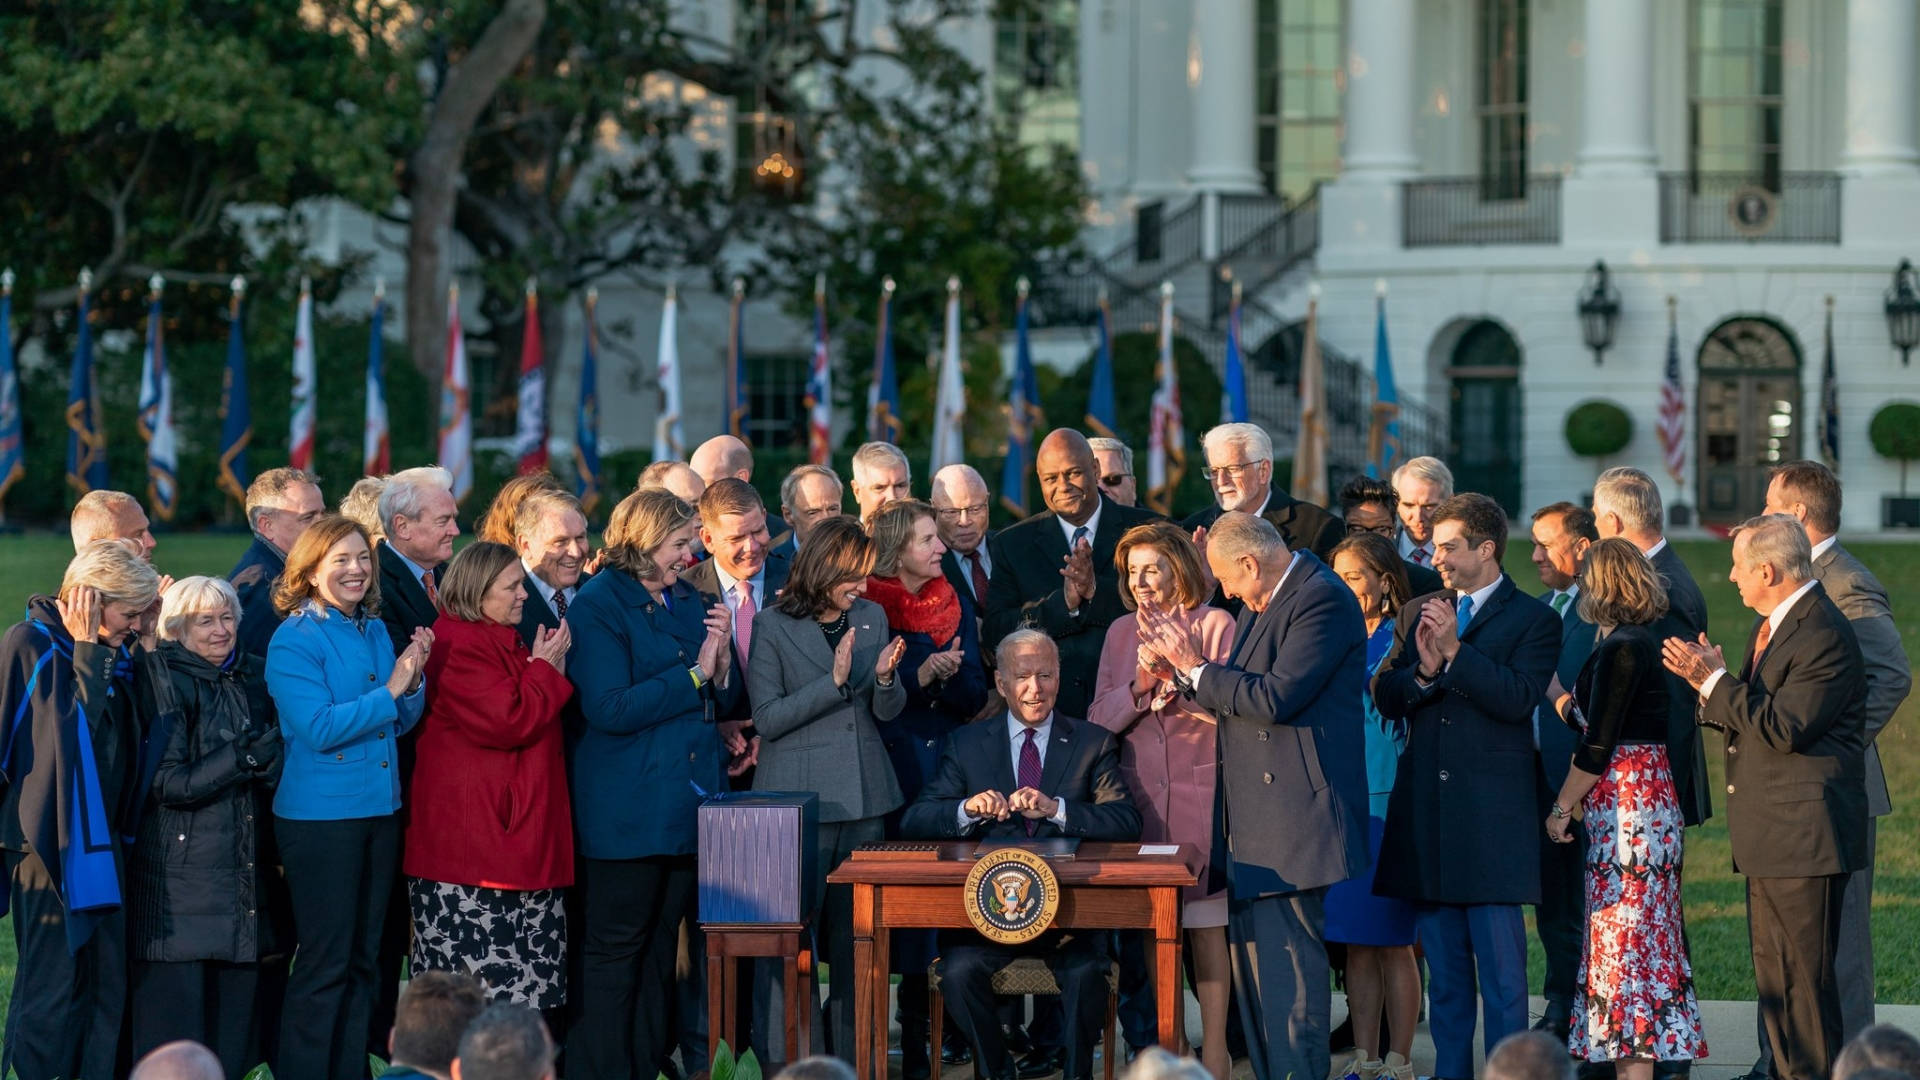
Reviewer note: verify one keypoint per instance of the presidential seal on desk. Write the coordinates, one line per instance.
(1011, 896)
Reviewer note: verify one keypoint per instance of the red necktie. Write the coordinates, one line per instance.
(426, 582)
(1030, 771)
(979, 575)
(1419, 556)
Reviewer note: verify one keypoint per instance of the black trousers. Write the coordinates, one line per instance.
(209, 1001)
(1793, 926)
(340, 875)
(628, 943)
(67, 1008)
(1560, 919)
(1079, 962)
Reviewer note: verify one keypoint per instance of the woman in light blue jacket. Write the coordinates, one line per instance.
(344, 700)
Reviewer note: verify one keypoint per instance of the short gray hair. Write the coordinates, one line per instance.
(506, 1042)
(818, 1067)
(1430, 470)
(1252, 439)
(92, 517)
(1529, 1055)
(790, 486)
(116, 571)
(1156, 1063)
(1024, 638)
(405, 494)
(537, 506)
(1235, 534)
(362, 504)
(1631, 494)
(1115, 446)
(192, 595)
(269, 487)
(1779, 541)
(875, 455)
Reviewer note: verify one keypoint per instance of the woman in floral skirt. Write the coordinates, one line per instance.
(1634, 1002)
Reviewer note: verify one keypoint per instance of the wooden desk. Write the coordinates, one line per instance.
(1106, 886)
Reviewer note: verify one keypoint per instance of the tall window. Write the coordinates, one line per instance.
(1301, 78)
(1735, 93)
(776, 399)
(1502, 100)
(1036, 70)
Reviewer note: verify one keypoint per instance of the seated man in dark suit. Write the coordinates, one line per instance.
(1040, 775)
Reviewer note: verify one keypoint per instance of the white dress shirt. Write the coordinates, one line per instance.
(965, 559)
(1774, 620)
(1408, 547)
(1092, 524)
(1016, 742)
(730, 592)
(1658, 547)
(1824, 546)
(545, 590)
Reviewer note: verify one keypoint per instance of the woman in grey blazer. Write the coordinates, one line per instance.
(820, 674)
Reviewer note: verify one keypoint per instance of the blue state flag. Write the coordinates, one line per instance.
(1023, 418)
(883, 394)
(1234, 392)
(1103, 414)
(13, 448)
(236, 415)
(1383, 433)
(586, 422)
(86, 439)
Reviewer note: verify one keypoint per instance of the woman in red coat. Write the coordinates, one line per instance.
(489, 842)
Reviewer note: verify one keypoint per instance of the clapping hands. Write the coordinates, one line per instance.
(716, 650)
(1077, 569)
(551, 645)
(941, 666)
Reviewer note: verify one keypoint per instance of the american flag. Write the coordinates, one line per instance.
(1673, 408)
(820, 383)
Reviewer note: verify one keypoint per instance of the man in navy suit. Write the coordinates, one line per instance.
(1562, 532)
(1293, 777)
(809, 495)
(550, 534)
(961, 504)
(281, 503)
(1462, 841)
(1032, 774)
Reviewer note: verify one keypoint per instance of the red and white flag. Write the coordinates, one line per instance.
(1167, 433)
(530, 437)
(1673, 406)
(300, 433)
(820, 383)
(456, 413)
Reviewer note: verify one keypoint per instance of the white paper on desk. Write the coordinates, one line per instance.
(1159, 849)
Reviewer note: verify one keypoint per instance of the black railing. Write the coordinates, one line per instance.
(1454, 211)
(1732, 208)
(1160, 237)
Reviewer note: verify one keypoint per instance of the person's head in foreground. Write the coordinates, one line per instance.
(1881, 1048)
(1155, 1063)
(120, 584)
(506, 1042)
(1529, 1055)
(434, 1010)
(816, 1068)
(183, 1060)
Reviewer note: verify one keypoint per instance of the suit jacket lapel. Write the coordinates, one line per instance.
(1059, 749)
(1787, 626)
(1003, 751)
(1495, 601)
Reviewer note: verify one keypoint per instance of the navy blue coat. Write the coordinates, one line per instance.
(649, 747)
(918, 736)
(254, 578)
(1293, 764)
(1557, 740)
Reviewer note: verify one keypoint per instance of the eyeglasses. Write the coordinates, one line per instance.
(1388, 530)
(1113, 479)
(959, 513)
(1231, 472)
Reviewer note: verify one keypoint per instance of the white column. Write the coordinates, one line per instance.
(1880, 88)
(1616, 135)
(1220, 73)
(1380, 91)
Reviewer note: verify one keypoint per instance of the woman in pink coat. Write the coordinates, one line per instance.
(1167, 745)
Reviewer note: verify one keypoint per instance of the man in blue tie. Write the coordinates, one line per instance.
(1467, 669)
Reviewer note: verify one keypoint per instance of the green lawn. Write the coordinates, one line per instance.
(1716, 919)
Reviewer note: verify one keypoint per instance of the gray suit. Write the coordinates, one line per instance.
(1863, 600)
(822, 738)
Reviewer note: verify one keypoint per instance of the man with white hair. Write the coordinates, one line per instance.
(1422, 483)
(1626, 502)
(961, 504)
(418, 511)
(550, 533)
(281, 503)
(723, 456)
(1115, 461)
(1796, 781)
(880, 474)
(808, 496)
(1240, 471)
(110, 515)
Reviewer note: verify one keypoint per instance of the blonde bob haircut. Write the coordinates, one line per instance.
(296, 585)
(1619, 587)
(115, 570)
(642, 522)
(469, 577)
(192, 596)
(1175, 546)
(892, 529)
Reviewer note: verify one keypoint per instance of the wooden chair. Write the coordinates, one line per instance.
(1020, 977)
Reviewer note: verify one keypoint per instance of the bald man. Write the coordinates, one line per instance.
(1055, 569)
(723, 456)
(182, 1060)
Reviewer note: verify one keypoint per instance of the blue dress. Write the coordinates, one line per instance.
(1355, 916)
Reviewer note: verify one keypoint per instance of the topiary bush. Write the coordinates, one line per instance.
(1895, 433)
(1597, 429)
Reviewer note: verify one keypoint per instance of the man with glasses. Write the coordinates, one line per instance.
(960, 507)
(1115, 462)
(1368, 503)
(281, 503)
(1240, 471)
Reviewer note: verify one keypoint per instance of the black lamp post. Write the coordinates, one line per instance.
(1599, 311)
(1903, 310)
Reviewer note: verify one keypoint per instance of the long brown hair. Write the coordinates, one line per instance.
(497, 525)
(1378, 554)
(296, 581)
(1619, 587)
(838, 552)
(892, 529)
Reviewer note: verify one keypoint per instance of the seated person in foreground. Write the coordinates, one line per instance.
(1031, 774)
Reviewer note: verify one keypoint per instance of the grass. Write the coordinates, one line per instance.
(1715, 895)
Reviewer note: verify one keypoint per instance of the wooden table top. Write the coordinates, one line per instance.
(1094, 863)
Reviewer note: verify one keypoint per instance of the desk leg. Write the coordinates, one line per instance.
(716, 993)
(791, 985)
(882, 972)
(1166, 945)
(864, 1066)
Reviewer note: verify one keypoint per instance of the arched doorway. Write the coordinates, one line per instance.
(1485, 434)
(1749, 415)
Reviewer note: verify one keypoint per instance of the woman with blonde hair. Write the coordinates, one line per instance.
(1167, 747)
(344, 700)
(74, 699)
(1633, 999)
(653, 668)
